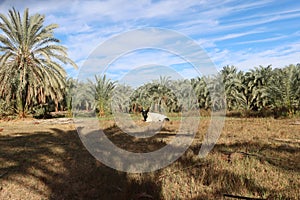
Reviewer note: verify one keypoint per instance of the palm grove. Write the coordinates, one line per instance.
(33, 81)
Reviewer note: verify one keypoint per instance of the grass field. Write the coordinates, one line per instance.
(254, 157)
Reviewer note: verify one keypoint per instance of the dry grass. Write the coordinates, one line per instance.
(258, 158)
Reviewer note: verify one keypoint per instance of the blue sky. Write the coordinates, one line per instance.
(244, 33)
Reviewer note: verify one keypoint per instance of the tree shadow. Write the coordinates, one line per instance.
(59, 167)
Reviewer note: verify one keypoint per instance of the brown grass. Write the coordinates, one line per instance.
(257, 158)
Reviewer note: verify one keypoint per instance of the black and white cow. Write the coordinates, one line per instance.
(153, 117)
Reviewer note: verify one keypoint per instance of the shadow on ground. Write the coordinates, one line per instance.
(60, 167)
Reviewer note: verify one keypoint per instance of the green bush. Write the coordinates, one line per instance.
(6, 108)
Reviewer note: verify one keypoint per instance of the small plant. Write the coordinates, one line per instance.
(6, 108)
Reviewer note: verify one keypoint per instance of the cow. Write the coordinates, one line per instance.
(153, 117)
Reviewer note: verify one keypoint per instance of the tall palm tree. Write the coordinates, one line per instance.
(163, 80)
(70, 90)
(83, 96)
(162, 96)
(103, 91)
(296, 85)
(233, 87)
(200, 87)
(257, 81)
(121, 98)
(158, 97)
(284, 89)
(30, 60)
(140, 98)
(216, 90)
(186, 99)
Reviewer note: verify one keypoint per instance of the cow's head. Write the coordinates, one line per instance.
(145, 113)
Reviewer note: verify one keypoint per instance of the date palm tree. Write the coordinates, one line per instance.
(284, 89)
(83, 97)
(102, 90)
(257, 81)
(121, 98)
(232, 79)
(30, 61)
(156, 95)
(70, 90)
(201, 90)
(186, 98)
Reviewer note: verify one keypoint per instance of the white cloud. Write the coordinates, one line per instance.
(262, 40)
(247, 59)
(84, 25)
(235, 35)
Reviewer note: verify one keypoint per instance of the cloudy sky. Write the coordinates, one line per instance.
(244, 33)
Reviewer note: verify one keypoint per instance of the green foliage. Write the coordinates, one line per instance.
(156, 95)
(70, 90)
(257, 82)
(102, 91)
(30, 60)
(121, 98)
(40, 111)
(200, 87)
(284, 90)
(233, 85)
(261, 91)
(6, 108)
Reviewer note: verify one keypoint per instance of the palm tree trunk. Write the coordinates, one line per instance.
(20, 97)
(20, 105)
(56, 106)
(101, 108)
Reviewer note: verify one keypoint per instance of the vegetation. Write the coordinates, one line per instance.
(30, 69)
(255, 157)
(262, 91)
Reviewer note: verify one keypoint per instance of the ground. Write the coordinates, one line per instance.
(254, 157)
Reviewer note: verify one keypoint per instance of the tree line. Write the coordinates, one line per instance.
(262, 91)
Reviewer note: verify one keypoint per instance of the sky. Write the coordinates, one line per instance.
(243, 33)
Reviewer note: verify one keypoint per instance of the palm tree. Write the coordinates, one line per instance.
(121, 98)
(240, 93)
(83, 99)
(200, 87)
(216, 89)
(296, 86)
(30, 61)
(159, 97)
(233, 87)
(185, 98)
(163, 81)
(284, 89)
(70, 90)
(102, 91)
(140, 98)
(162, 97)
(257, 81)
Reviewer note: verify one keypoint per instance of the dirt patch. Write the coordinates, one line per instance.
(54, 121)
